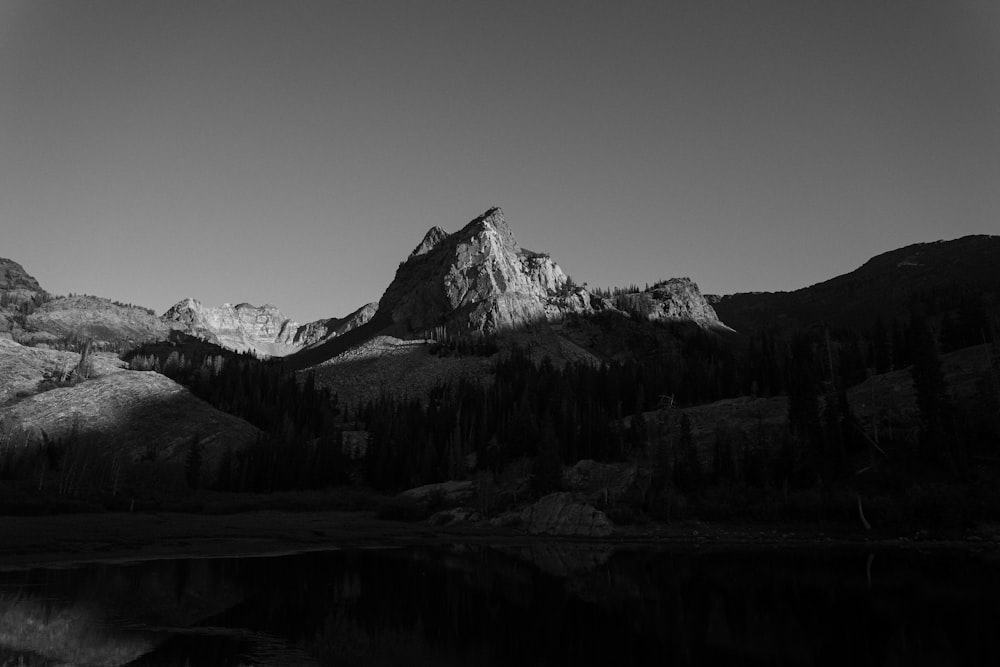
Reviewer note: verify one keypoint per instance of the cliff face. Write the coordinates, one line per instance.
(242, 327)
(316, 332)
(261, 329)
(16, 285)
(477, 280)
(672, 300)
(19, 292)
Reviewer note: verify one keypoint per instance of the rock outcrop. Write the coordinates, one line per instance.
(25, 371)
(433, 236)
(562, 514)
(477, 280)
(82, 316)
(314, 333)
(450, 492)
(243, 327)
(20, 294)
(17, 286)
(29, 314)
(676, 299)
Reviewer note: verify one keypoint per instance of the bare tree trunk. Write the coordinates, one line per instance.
(861, 513)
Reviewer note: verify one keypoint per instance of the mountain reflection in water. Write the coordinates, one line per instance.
(532, 604)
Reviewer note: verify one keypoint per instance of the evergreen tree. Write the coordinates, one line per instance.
(688, 472)
(881, 351)
(192, 463)
(932, 398)
(546, 473)
(803, 391)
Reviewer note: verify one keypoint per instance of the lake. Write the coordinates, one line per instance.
(558, 603)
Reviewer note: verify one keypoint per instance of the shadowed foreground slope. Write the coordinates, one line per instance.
(103, 424)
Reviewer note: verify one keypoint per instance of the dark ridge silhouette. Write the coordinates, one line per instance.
(938, 274)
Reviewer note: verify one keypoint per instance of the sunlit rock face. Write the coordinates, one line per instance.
(242, 327)
(19, 291)
(29, 314)
(316, 332)
(477, 280)
(259, 329)
(17, 286)
(83, 316)
(28, 370)
(112, 415)
(675, 299)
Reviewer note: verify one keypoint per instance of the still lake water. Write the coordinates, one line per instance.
(531, 604)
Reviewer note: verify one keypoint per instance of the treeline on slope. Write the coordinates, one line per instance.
(536, 410)
(300, 447)
(543, 416)
(535, 418)
(540, 418)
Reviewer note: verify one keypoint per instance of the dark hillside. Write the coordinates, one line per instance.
(938, 276)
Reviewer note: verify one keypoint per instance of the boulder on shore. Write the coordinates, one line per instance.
(451, 492)
(563, 514)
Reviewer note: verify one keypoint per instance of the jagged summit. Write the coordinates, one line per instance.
(480, 280)
(433, 236)
(476, 280)
(492, 220)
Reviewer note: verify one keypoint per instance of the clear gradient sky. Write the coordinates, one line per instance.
(295, 152)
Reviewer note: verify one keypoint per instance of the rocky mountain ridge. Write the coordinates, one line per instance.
(31, 315)
(259, 329)
(479, 280)
(316, 332)
(243, 327)
(83, 317)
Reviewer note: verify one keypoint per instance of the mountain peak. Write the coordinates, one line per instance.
(433, 236)
(492, 221)
(477, 279)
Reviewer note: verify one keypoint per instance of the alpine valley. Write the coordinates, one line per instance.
(488, 387)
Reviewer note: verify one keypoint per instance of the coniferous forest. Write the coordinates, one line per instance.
(516, 429)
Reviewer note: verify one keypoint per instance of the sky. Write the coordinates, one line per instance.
(295, 152)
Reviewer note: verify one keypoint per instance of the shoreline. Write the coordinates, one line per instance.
(76, 539)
